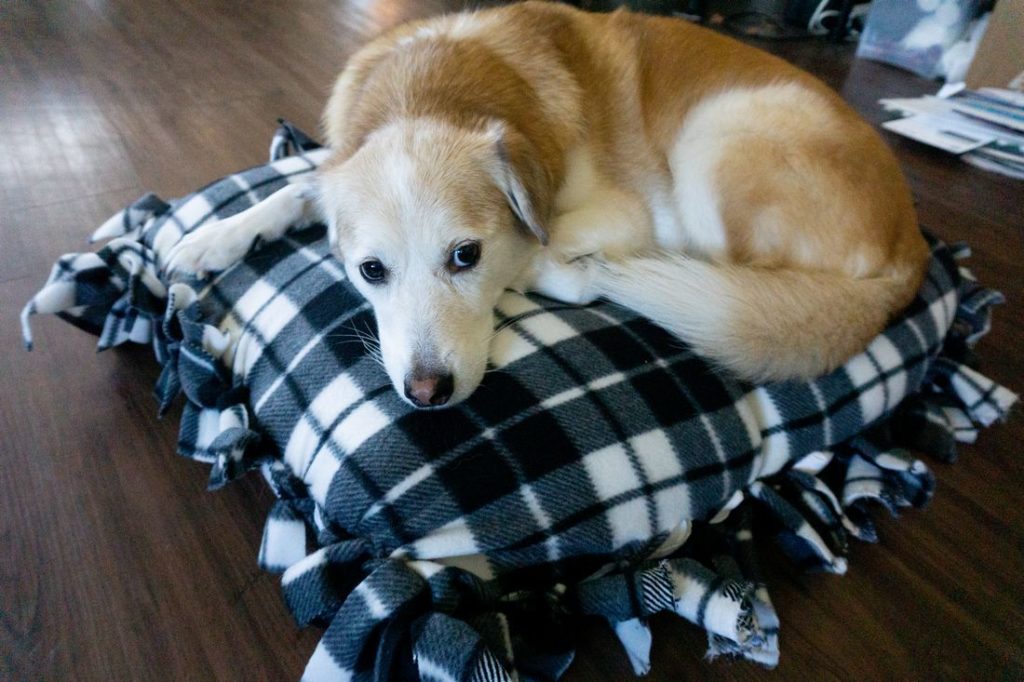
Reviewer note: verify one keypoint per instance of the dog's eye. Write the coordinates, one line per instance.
(373, 271)
(465, 256)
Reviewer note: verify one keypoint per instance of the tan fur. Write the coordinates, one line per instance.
(810, 231)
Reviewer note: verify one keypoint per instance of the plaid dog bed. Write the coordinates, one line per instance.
(601, 468)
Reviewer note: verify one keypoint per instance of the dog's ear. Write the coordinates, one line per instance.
(522, 177)
(330, 194)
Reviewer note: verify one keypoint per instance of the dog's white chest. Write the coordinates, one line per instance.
(668, 228)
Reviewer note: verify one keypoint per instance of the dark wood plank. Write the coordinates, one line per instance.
(117, 564)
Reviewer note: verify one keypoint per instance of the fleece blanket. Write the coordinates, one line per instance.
(602, 468)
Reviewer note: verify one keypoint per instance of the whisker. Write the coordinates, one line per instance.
(368, 340)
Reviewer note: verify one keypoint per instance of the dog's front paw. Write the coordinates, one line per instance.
(572, 282)
(211, 248)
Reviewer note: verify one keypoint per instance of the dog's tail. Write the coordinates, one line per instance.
(761, 324)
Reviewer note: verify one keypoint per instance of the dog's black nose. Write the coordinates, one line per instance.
(429, 390)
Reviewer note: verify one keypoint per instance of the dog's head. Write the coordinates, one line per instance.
(433, 222)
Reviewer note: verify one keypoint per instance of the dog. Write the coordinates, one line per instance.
(719, 191)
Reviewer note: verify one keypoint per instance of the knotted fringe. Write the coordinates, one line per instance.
(402, 617)
(724, 605)
(393, 617)
(114, 293)
(132, 220)
(216, 418)
(289, 141)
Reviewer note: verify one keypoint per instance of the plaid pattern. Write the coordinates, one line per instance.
(601, 467)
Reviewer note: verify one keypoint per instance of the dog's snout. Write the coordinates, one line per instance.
(427, 389)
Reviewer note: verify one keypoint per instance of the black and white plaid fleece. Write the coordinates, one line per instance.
(601, 468)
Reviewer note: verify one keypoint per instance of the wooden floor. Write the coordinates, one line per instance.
(114, 561)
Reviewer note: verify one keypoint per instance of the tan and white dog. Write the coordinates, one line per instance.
(725, 194)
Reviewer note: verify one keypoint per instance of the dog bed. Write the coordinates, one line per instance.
(601, 468)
